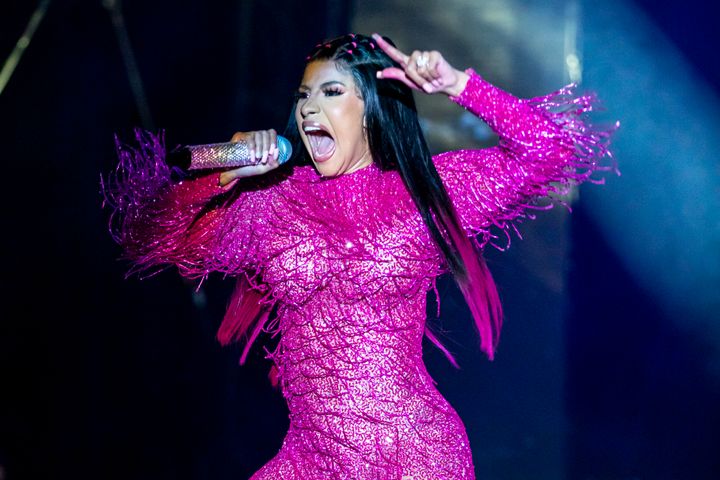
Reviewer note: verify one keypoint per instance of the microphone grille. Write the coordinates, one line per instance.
(285, 149)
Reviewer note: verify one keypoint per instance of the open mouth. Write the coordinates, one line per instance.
(322, 144)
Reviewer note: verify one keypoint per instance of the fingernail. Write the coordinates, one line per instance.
(427, 87)
(379, 74)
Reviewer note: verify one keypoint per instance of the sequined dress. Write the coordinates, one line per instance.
(348, 262)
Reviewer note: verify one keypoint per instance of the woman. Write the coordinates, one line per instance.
(337, 251)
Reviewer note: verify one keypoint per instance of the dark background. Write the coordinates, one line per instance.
(103, 377)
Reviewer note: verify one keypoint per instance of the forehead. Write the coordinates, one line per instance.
(319, 72)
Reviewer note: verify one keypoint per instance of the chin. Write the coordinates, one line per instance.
(326, 170)
(329, 168)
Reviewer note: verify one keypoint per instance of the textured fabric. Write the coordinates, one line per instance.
(348, 262)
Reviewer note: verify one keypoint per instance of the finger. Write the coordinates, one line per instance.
(256, 146)
(273, 138)
(421, 62)
(433, 73)
(392, 52)
(394, 73)
(273, 143)
(252, 144)
(436, 77)
(420, 78)
(433, 62)
(265, 146)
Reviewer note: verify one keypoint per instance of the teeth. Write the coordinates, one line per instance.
(312, 129)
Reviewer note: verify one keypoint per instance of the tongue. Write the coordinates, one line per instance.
(322, 145)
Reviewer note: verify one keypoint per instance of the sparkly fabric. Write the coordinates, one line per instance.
(348, 263)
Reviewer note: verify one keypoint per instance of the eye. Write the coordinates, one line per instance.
(300, 95)
(332, 92)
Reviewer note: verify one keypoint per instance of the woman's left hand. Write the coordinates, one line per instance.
(422, 70)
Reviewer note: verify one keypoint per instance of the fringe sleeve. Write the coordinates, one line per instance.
(161, 217)
(546, 146)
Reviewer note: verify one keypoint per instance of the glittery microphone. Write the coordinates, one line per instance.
(222, 155)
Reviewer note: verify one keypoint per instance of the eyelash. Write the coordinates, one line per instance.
(329, 92)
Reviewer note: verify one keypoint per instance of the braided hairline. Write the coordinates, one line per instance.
(348, 45)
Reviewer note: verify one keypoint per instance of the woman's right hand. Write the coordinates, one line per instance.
(263, 146)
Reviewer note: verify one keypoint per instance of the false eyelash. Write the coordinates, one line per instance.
(301, 95)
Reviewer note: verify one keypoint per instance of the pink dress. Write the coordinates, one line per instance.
(348, 262)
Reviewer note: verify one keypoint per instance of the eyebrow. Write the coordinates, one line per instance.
(326, 84)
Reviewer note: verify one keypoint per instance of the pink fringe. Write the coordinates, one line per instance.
(534, 158)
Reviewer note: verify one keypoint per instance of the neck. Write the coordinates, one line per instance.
(364, 161)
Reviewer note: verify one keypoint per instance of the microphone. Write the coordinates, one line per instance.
(222, 155)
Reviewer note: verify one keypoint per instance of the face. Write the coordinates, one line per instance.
(329, 115)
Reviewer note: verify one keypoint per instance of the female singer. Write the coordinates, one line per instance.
(336, 250)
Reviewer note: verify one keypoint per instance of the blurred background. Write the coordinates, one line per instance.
(609, 364)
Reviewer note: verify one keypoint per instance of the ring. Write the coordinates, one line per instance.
(421, 61)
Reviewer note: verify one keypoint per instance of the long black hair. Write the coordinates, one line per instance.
(397, 142)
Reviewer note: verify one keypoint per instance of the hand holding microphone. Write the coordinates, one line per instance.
(253, 153)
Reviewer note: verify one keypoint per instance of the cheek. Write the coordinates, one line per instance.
(298, 124)
(357, 113)
(350, 122)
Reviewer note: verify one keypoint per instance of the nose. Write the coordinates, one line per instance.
(309, 106)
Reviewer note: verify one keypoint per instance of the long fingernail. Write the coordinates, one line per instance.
(427, 87)
(379, 74)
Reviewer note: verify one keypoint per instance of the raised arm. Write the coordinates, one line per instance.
(545, 144)
(545, 147)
